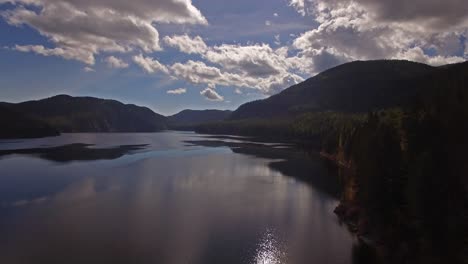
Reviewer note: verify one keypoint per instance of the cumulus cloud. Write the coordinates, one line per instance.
(149, 64)
(256, 66)
(258, 60)
(347, 30)
(80, 29)
(197, 72)
(88, 69)
(300, 5)
(417, 54)
(211, 94)
(253, 60)
(187, 44)
(113, 62)
(427, 31)
(431, 13)
(69, 54)
(177, 91)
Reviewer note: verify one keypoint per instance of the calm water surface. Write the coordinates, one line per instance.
(166, 198)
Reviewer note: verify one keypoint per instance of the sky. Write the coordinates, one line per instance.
(172, 55)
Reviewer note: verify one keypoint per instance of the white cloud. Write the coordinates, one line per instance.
(417, 54)
(211, 94)
(197, 72)
(253, 60)
(277, 40)
(113, 62)
(347, 30)
(149, 65)
(186, 44)
(275, 15)
(256, 66)
(69, 54)
(88, 69)
(80, 29)
(300, 5)
(267, 23)
(364, 29)
(177, 91)
(431, 15)
(164, 11)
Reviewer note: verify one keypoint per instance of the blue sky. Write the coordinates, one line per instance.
(209, 53)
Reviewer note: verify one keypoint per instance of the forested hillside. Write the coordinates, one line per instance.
(88, 114)
(358, 86)
(406, 178)
(404, 163)
(17, 125)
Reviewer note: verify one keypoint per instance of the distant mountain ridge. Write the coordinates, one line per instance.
(18, 125)
(187, 118)
(89, 114)
(357, 86)
(68, 114)
(344, 94)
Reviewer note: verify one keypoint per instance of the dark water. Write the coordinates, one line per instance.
(166, 198)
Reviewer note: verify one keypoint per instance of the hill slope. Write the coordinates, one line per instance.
(403, 167)
(408, 177)
(358, 86)
(189, 117)
(17, 125)
(88, 114)
(341, 95)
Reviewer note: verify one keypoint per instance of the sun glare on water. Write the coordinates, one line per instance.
(269, 250)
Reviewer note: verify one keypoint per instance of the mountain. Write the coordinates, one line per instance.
(407, 177)
(17, 125)
(357, 86)
(402, 162)
(88, 114)
(341, 96)
(187, 118)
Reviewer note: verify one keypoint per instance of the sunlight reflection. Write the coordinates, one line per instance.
(269, 250)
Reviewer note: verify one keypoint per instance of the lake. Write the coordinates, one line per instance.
(170, 197)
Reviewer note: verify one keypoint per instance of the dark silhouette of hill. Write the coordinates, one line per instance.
(403, 162)
(18, 125)
(188, 118)
(88, 114)
(357, 86)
